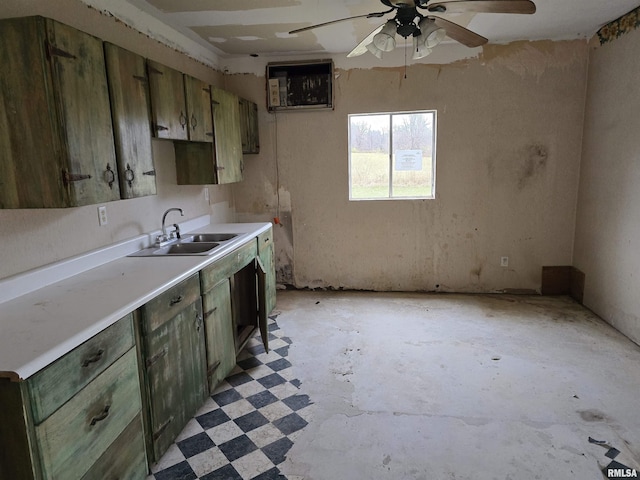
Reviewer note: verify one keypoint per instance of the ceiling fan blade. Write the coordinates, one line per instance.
(368, 15)
(362, 46)
(483, 6)
(460, 33)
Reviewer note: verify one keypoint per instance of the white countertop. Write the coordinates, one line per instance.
(42, 325)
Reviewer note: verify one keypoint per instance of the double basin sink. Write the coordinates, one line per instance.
(189, 244)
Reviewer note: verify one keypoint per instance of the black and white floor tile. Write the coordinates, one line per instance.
(246, 428)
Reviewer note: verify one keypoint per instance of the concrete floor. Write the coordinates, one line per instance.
(447, 386)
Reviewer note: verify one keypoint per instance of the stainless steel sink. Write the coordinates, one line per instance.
(178, 248)
(189, 244)
(208, 237)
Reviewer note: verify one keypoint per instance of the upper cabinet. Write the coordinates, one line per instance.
(249, 126)
(56, 135)
(129, 89)
(200, 163)
(226, 127)
(198, 99)
(168, 105)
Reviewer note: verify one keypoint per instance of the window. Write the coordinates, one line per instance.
(392, 155)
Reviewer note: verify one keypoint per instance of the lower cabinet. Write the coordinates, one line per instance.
(220, 341)
(73, 419)
(173, 352)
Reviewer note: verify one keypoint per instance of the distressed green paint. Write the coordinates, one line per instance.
(218, 320)
(129, 93)
(199, 119)
(55, 116)
(168, 107)
(228, 144)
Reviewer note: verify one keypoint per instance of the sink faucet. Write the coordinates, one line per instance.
(164, 237)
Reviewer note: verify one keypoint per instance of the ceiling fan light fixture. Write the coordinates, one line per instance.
(420, 50)
(430, 34)
(375, 50)
(385, 39)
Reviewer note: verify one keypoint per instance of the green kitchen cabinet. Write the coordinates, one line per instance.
(249, 133)
(168, 103)
(220, 343)
(56, 134)
(228, 142)
(266, 254)
(201, 163)
(129, 92)
(172, 331)
(78, 416)
(199, 119)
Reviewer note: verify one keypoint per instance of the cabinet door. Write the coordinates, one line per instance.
(228, 144)
(128, 86)
(266, 256)
(56, 136)
(249, 126)
(262, 303)
(199, 119)
(82, 98)
(175, 373)
(168, 108)
(218, 321)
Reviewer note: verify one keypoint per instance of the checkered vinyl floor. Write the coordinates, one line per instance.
(245, 429)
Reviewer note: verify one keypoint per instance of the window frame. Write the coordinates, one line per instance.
(390, 160)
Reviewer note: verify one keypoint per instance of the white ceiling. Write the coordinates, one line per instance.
(237, 28)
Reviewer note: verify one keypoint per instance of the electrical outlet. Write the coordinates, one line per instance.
(504, 261)
(102, 215)
(206, 194)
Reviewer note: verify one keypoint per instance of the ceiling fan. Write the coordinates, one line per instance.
(426, 29)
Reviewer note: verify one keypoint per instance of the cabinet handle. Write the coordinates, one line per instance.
(100, 417)
(176, 300)
(198, 322)
(194, 122)
(109, 176)
(183, 120)
(213, 368)
(93, 358)
(129, 176)
(151, 360)
(162, 428)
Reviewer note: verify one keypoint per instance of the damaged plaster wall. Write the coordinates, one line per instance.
(608, 221)
(508, 153)
(35, 237)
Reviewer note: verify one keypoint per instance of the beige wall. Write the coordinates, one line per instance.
(35, 237)
(607, 242)
(508, 153)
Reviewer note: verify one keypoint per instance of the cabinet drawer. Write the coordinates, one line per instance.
(227, 265)
(168, 304)
(125, 459)
(73, 438)
(265, 239)
(54, 385)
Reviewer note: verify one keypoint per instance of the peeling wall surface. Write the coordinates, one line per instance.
(34, 237)
(608, 221)
(508, 152)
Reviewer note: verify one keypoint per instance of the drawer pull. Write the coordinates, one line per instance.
(93, 358)
(156, 357)
(176, 300)
(104, 414)
(213, 368)
(162, 428)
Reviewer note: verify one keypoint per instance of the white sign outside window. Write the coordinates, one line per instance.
(408, 160)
